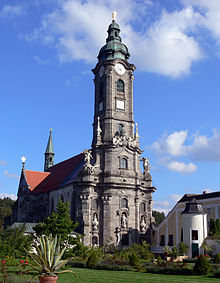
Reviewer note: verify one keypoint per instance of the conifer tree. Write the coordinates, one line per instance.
(58, 223)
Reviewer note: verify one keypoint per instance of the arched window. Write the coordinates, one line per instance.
(142, 207)
(94, 204)
(120, 86)
(120, 128)
(52, 205)
(124, 203)
(123, 163)
(101, 92)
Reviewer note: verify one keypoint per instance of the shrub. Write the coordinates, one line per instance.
(93, 259)
(174, 252)
(183, 248)
(217, 258)
(13, 241)
(202, 266)
(217, 273)
(133, 260)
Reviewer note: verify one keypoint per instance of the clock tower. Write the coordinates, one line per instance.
(116, 194)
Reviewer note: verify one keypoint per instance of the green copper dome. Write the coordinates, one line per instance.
(114, 48)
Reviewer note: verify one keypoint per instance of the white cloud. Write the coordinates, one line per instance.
(181, 167)
(5, 195)
(202, 148)
(77, 29)
(11, 11)
(10, 175)
(166, 205)
(3, 162)
(171, 144)
(40, 61)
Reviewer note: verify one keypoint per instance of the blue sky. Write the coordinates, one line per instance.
(47, 51)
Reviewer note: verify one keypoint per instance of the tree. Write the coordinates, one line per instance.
(58, 223)
(13, 241)
(159, 216)
(214, 227)
(5, 208)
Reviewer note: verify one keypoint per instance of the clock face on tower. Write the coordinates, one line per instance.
(120, 69)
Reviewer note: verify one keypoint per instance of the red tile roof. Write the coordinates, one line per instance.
(59, 175)
(34, 178)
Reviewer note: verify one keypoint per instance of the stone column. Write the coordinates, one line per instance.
(108, 230)
(86, 208)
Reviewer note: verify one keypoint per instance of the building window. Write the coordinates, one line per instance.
(124, 203)
(142, 207)
(62, 198)
(120, 86)
(125, 240)
(52, 204)
(120, 128)
(170, 241)
(194, 234)
(94, 204)
(162, 240)
(209, 210)
(123, 163)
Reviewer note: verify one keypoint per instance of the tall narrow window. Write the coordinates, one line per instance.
(143, 207)
(52, 205)
(123, 163)
(120, 86)
(124, 203)
(194, 234)
(162, 240)
(170, 240)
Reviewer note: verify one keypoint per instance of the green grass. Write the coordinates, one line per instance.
(105, 276)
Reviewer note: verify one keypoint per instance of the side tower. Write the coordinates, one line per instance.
(116, 197)
(194, 221)
(49, 154)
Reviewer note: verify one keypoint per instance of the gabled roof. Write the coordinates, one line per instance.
(187, 197)
(59, 175)
(34, 178)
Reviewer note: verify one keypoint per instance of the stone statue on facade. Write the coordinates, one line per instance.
(143, 224)
(95, 222)
(146, 165)
(87, 158)
(117, 234)
(124, 221)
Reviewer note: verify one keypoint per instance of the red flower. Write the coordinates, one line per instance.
(3, 261)
(21, 261)
(26, 261)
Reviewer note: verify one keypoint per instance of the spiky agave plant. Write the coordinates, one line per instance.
(47, 256)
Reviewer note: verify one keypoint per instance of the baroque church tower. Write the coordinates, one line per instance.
(110, 197)
(117, 204)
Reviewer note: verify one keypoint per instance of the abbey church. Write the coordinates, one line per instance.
(109, 195)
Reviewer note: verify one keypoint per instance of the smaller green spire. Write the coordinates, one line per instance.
(49, 153)
(49, 148)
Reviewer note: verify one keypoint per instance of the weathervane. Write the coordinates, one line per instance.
(114, 14)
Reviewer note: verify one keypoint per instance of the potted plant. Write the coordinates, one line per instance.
(47, 256)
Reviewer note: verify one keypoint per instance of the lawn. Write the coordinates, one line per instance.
(105, 276)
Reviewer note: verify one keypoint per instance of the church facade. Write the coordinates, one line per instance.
(109, 195)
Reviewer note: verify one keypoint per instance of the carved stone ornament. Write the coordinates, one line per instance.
(120, 139)
(95, 222)
(87, 158)
(143, 224)
(124, 221)
(117, 234)
(146, 165)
